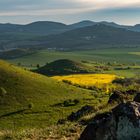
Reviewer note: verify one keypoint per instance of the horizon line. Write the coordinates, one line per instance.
(68, 23)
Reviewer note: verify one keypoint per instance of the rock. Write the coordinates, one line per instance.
(116, 97)
(122, 123)
(131, 92)
(83, 111)
(137, 98)
(61, 121)
(121, 96)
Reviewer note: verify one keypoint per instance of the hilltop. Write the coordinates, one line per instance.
(63, 67)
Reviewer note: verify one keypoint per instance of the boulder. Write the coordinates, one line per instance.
(122, 123)
(131, 92)
(137, 98)
(74, 116)
(116, 97)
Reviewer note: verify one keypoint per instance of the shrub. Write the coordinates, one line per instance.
(67, 103)
(76, 101)
(70, 102)
(30, 106)
(67, 81)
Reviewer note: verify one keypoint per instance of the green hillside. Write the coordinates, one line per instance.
(91, 37)
(58, 36)
(64, 67)
(29, 100)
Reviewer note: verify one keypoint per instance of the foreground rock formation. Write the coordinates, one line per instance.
(137, 98)
(123, 123)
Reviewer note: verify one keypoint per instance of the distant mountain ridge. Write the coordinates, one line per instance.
(91, 37)
(39, 28)
(54, 35)
(50, 27)
(82, 24)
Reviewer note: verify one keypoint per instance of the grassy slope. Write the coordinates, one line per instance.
(24, 87)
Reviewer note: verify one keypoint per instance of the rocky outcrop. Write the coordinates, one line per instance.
(122, 96)
(74, 116)
(122, 123)
(137, 98)
(115, 97)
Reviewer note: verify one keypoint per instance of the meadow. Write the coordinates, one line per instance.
(123, 61)
(120, 55)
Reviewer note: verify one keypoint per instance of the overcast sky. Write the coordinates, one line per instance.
(70, 11)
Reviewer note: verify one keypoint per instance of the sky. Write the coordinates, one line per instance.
(70, 11)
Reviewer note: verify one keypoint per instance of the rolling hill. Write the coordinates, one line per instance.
(92, 37)
(19, 36)
(54, 35)
(45, 28)
(15, 53)
(21, 90)
(39, 28)
(63, 67)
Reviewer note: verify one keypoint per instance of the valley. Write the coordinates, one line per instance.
(53, 84)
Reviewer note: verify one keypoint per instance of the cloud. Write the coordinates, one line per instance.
(57, 7)
(62, 9)
(35, 4)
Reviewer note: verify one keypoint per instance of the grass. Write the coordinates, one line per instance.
(120, 54)
(116, 56)
(38, 95)
(70, 131)
(24, 88)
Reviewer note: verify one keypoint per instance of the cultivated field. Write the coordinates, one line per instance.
(89, 81)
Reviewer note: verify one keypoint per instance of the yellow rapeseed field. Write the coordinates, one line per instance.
(98, 80)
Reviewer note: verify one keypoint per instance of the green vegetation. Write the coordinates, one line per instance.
(119, 61)
(116, 55)
(15, 53)
(28, 100)
(33, 106)
(57, 36)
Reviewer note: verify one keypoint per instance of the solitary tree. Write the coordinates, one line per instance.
(38, 66)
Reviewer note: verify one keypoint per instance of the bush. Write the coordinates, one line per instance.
(70, 102)
(76, 101)
(67, 103)
(66, 81)
(30, 106)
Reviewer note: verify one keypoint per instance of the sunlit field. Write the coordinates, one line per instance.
(88, 80)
